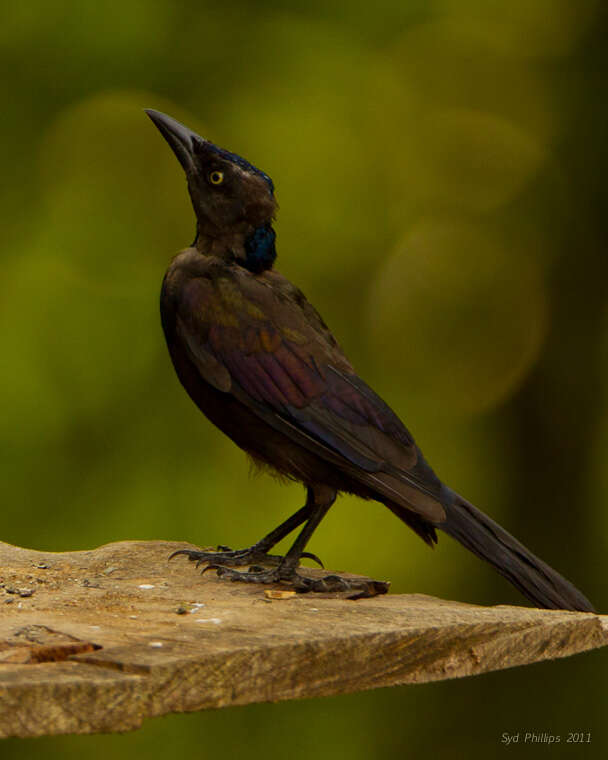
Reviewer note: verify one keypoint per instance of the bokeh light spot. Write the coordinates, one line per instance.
(455, 318)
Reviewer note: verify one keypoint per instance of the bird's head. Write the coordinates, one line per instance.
(233, 201)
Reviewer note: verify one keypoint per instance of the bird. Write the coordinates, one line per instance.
(261, 364)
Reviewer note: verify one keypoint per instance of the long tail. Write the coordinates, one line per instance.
(485, 538)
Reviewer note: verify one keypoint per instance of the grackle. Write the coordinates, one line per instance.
(260, 363)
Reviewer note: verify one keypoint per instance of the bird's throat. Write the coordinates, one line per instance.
(254, 250)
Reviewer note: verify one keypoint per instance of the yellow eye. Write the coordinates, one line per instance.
(216, 178)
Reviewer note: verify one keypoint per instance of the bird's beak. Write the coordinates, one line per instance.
(181, 139)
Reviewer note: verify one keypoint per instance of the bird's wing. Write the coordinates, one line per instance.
(259, 339)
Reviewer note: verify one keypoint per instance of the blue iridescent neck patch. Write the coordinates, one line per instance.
(260, 249)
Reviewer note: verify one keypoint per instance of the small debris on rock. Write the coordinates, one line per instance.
(90, 584)
(23, 592)
(275, 593)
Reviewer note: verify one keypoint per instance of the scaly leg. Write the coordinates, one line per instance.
(318, 503)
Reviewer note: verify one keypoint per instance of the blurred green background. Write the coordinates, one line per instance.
(440, 166)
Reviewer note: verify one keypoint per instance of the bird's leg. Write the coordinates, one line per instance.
(258, 553)
(319, 501)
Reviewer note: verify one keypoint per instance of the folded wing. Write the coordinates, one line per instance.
(259, 339)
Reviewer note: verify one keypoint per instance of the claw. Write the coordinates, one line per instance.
(313, 557)
(187, 552)
(211, 567)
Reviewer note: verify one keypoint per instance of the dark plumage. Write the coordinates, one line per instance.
(261, 364)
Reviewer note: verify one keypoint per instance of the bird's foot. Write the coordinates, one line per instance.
(225, 556)
(362, 587)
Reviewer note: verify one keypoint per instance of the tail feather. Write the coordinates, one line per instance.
(533, 577)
